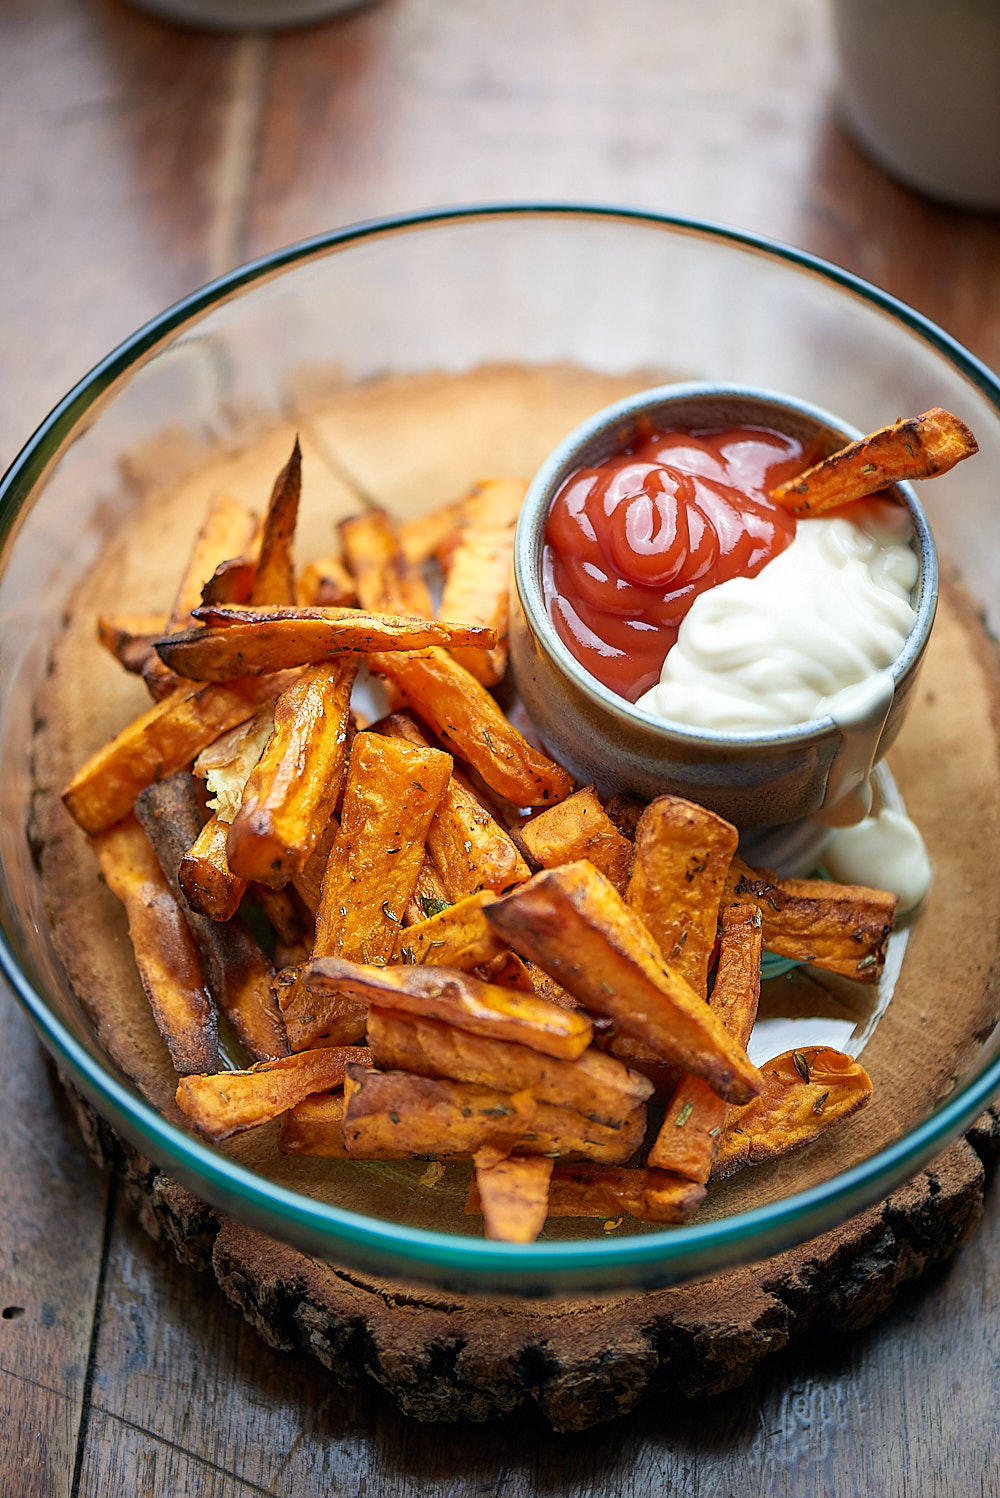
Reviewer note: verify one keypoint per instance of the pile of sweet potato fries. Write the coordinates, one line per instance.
(472, 957)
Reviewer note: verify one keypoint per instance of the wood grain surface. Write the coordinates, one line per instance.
(138, 159)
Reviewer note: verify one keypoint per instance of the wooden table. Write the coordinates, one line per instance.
(138, 160)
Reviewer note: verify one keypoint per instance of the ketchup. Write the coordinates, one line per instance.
(630, 544)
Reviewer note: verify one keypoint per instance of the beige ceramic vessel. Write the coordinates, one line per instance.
(752, 779)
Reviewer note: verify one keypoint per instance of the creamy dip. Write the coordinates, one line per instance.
(826, 614)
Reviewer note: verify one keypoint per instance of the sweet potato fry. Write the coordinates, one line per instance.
(227, 529)
(579, 827)
(292, 791)
(231, 582)
(389, 1115)
(443, 694)
(311, 1019)
(390, 796)
(129, 638)
(915, 447)
(226, 764)
(314, 1127)
(209, 884)
(166, 956)
(326, 583)
(507, 970)
(385, 580)
(575, 924)
(595, 1085)
(843, 928)
(599, 1191)
(467, 846)
(458, 936)
(161, 741)
(274, 575)
(682, 857)
(461, 712)
(458, 999)
(240, 641)
(308, 882)
(513, 1195)
(477, 587)
(805, 1093)
(696, 1116)
(238, 972)
(434, 534)
(231, 1101)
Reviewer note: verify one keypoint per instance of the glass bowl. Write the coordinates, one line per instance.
(549, 312)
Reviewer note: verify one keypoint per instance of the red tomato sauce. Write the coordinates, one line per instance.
(631, 543)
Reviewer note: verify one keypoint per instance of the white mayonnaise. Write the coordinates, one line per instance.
(884, 852)
(831, 611)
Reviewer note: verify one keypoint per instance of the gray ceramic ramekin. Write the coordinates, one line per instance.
(752, 779)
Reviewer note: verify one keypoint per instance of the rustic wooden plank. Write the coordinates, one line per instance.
(51, 1230)
(110, 122)
(726, 112)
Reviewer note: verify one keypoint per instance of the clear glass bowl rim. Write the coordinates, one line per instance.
(645, 1259)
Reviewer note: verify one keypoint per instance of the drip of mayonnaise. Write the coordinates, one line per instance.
(770, 651)
(885, 852)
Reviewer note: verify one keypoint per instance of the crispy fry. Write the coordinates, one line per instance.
(843, 928)
(915, 447)
(458, 936)
(599, 1191)
(292, 791)
(231, 1101)
(385, 580)
(308, 882)
(443, 694)
(513, 1195)
(682, 857)
(227, 529)
(314, 1127)
(390, 796)
(240, 641)
(468, 847)
(695, 1118)
(458, 999)
(209, 884)
(310, 1019)
(239, 974)
(595, 1085)
(389, 1115)
(231, 582)
(805, 1092)
(161, 741)
(326, 583)
(274, 575)
(579, 827)
(507, 970)
(461, 712)
(477, 587)
(434, 534)
(576, 925)
(129, 638)
(226, 764)
(165, 953)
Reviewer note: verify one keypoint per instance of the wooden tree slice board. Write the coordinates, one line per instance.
(445, 1356)
(580, 1361)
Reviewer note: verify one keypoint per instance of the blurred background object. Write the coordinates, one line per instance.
(920, 88)
(236, 15)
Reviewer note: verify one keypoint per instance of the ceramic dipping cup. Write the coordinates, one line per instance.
(754, 779)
